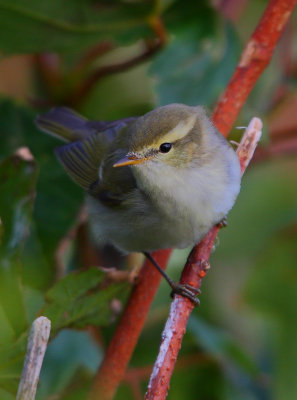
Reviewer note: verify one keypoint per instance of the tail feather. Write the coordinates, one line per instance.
(64, 123)
(70, 126)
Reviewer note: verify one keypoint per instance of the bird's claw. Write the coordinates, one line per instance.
(223, 223)
(187, 291)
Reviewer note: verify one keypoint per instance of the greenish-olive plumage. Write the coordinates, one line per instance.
(141, 198)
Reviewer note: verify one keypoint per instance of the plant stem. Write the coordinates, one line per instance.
(193, 273)
(37, 344)
(255, 57)
(120, 349)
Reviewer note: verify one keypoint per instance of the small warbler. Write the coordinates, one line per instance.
(153, 182)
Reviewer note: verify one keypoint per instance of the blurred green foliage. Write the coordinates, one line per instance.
(46, 26)
(241, 342)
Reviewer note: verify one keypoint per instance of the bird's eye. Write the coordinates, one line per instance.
(165, 147)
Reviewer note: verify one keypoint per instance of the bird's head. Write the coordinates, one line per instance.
(173, 135)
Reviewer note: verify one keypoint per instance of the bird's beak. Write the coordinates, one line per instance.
(130, 160)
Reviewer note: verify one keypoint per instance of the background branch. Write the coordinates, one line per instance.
(150, 48)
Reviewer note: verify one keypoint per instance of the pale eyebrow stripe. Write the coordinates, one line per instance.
(178, 132)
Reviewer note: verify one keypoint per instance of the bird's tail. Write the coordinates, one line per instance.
(63, 123)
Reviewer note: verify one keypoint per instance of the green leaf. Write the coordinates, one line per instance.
(18, 180)
(57, 200)
(38, 26)
(75, 285)
(11, 363)
(4, 395)
(69, 352)
(76, 300)
(200, 18)
(194, 69)
(6, 332)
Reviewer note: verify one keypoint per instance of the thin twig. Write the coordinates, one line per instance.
(93, 54)
(194, 271)
(37, 344)
(151, 47)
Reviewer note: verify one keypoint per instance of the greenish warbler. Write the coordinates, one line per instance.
(153, 182)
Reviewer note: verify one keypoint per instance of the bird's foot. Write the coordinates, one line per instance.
(186, 290)
(223, 223)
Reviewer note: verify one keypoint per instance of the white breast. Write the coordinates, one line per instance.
(178, 208)
(195, 198)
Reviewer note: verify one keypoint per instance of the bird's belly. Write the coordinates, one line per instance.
(147, 229)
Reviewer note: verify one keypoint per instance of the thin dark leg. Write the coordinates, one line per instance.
(156, 265)
(177, 288)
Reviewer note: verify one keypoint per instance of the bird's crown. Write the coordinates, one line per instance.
(167, 124)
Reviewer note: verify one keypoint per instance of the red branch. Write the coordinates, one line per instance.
(121, 347)
(255, 57)
(193, 273)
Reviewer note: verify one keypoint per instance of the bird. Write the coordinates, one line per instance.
(156, 181)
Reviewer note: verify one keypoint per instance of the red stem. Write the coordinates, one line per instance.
(121, 347)
(255, 57)
(195, 270)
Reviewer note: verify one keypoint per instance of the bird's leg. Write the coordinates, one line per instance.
(185, 290)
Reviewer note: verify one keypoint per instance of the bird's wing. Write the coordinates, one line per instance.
(113, 185)
(87, 163)
(100, 126)
(89, 144)
(81, 159)
(70, 126)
